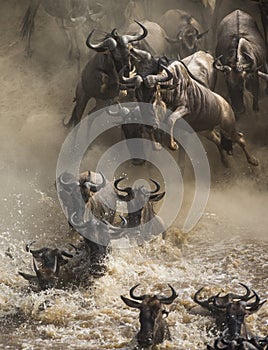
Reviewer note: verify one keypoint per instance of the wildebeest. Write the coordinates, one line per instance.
(70, 16)
(99, 78)
(200, 65)
(74, 192)
(153, 326)
(263, 6)
(183, 31)
(155, 41)
(241, 55)
(230, 310)
(205, 111)
(46, 263)
(97, 235)
(240, 343)
(140, 208)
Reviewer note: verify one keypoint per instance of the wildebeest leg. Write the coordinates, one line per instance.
(181, 159)
(27, 27)
(81, 100)
(239, 138)
(252, 85)
(93, 113)
(228, 129)
(214, 137)
(180, 112)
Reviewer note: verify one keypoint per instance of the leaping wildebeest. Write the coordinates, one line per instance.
(153, 326)
(205, 111)
(242, 57)
(99, 78)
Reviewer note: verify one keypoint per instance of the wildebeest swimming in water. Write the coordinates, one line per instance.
(47, 263)
(153, 326)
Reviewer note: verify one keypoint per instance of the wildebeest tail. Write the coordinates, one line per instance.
(226, 144)
(27, 25)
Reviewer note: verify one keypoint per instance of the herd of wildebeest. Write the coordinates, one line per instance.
(170, 65)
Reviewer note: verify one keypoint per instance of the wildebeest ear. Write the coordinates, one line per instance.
(199, 36)
(28, 277)
(157, 197)
(131, 303)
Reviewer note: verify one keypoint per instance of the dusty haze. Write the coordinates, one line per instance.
(227, 246)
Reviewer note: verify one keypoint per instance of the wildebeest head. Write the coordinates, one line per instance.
(239, 67)
(46, 263)
(236, 311)
(139, 202)
(98, 231)
(153, 327)
(230, 309)
(75, 192)
(188, 39)
(117, 45)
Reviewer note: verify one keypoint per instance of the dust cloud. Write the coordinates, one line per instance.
(36, 95)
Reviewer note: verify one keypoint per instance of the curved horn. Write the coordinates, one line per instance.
(157, 186)
(55, 266)
(114, 33)
(217, 345)
(219, 66)
(107, 44)
(162, 78)
(76, 224)
(136, 297)
(203, 303)
(199, 36)
(263, 75)
(116, 182)
(256, 305)
(128, 190)
(110, 226)
(170, 299)
(241, 297)
(94, 187)
(35, 264)
(142, 54)
(68, 182)
(137, 37)
(27, 247)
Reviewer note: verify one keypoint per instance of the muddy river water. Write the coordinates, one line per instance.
(229, 244)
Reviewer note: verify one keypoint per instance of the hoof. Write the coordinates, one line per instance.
(253, 161)
(174, 146)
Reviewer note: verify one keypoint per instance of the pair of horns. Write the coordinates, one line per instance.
(163, 299)
(111, 42)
